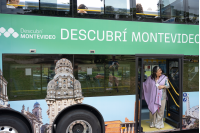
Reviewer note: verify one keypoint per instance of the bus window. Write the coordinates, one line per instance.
(102, 75)
(36, 7)
(147, 10)
(121, 7)
(28, 75)
(191, 74)
(105, 9)
(192, 11)
(18, 6)
(25, 79)
(90, 6)
(172, 11)
(56, 5)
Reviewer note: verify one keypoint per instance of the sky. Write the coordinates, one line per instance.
(111, 107)
(17, 105)
(194, 100)
(99, 3)
(148, 4)
(91, 3)
(118, 3)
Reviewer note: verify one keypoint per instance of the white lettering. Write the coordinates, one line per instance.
(107, 36)
(21, 30)
(196, 38)
(152, 36)
(38, 37)
(89, 35)
(173, 40)
(82, 34)
(179, 38)
(72, 34)
(41, 36)
(160, 36)
(30, 31)
(124, 32)
(183, 38)
(136, 38)
(190, 38)
(116, 36)
(62, 34)
(143, 37)
(23, 36)
(31, 36)
(167, 37)
(98, 36)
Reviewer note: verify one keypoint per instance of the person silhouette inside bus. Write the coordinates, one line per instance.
(113, 65)
(112, 83)
(82, 7)
(13, 3)
(113, 68)
(154, 93)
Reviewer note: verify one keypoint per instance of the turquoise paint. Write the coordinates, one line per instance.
(53, 26)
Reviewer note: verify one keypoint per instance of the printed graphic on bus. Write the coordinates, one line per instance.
(63, 90)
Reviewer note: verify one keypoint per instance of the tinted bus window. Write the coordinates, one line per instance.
(90, 6)
(31, 5)
(172, 11)
(48, 4)
(56, 5)
(103, 75)
(18, 6)
(180, 11)
(191, 73)
(99, 75)
(107, 9)
(148, 10)
(192, 11)
(28, 75)
(117, 7)
(37, 7)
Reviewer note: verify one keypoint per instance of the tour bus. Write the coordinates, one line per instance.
(80, 66)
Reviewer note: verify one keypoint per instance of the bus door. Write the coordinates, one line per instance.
(172, 66)
(174, 93)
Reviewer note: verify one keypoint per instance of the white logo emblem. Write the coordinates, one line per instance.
(10, 31)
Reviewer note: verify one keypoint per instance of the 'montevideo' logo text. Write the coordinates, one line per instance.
(35, 34)
(8, 33)
(25, 33)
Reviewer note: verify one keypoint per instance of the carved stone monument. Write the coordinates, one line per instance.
(3, 91)
(63, 90)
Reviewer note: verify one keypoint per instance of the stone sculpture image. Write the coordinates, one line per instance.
(3, 92)
(63, 90)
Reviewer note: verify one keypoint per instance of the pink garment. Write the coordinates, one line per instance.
(151, 94)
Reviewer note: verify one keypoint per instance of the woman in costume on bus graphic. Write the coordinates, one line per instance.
(154, 93)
